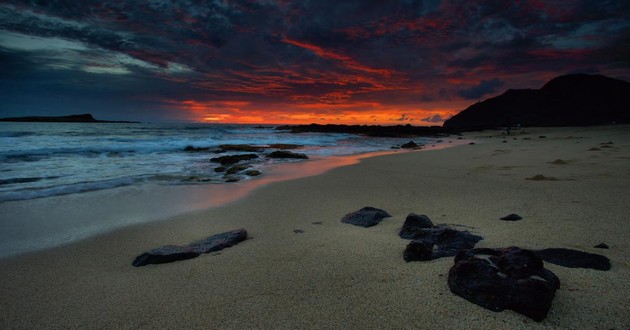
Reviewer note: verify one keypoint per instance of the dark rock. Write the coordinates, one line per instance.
(233, 159)
(286, 154)
(601, 246)
(365, 217)
(369, 130)
(510, 278)
(512, 217)
(170, 253)
(571, 100)
(540, 177)
(220, 241)
(574, 258)
(418, 250)
(409, 145)
(448, 241)
(237, 168)
(298, 231)
(240, 147)
(196, 149)
(220, 169)
(165, 254)
(413, 224)
(253, 173)
(232, 179)
(285, 146)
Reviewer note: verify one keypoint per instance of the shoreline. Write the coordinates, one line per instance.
(48, 223)
(333, 274)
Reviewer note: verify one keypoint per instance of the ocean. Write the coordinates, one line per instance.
(65, 182)
(39, 160)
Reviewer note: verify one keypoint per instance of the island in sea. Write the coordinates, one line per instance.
(85, 118)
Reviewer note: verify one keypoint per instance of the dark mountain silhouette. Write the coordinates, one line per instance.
(571, 100)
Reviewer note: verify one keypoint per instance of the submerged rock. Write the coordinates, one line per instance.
(574, 258)
(195, 149)
(240, 147)
(499, 279)
(286, 154)
(237, 168)
(601, 246)
(413, 224)
(170, 253)
(253, 173)
(409, 145)
(285, 146)
(365, 217)
(233, 159)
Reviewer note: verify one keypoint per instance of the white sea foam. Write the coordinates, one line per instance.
(47, 159)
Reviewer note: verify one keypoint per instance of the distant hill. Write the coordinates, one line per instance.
(86, 118)
(571, 100)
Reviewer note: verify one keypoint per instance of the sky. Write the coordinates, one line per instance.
(380, 62)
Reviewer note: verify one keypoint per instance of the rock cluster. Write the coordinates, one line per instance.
(237, 163)
(432, 242)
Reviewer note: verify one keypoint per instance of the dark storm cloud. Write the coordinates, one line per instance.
(314, 52)
(484, 87)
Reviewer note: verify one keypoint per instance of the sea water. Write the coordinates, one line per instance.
(39, 160)
(65, 182)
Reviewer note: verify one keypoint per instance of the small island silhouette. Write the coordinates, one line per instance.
(85, 118)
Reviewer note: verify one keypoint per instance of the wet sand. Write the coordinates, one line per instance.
(335, 275)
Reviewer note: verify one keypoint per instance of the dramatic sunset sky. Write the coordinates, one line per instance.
(282, 61)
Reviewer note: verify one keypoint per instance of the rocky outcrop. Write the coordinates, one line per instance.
(571, 100)
(365, 217)
(170, 253)
(499, 279)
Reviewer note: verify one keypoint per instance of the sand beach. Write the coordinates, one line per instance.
(303, 268)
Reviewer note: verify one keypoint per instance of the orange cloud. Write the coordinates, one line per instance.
(333, 55)
(374, 113)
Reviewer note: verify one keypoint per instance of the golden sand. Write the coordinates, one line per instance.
(335, 275)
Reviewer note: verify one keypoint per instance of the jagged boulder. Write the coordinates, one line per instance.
(413, 224)
(418, 250)
(499, 279)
